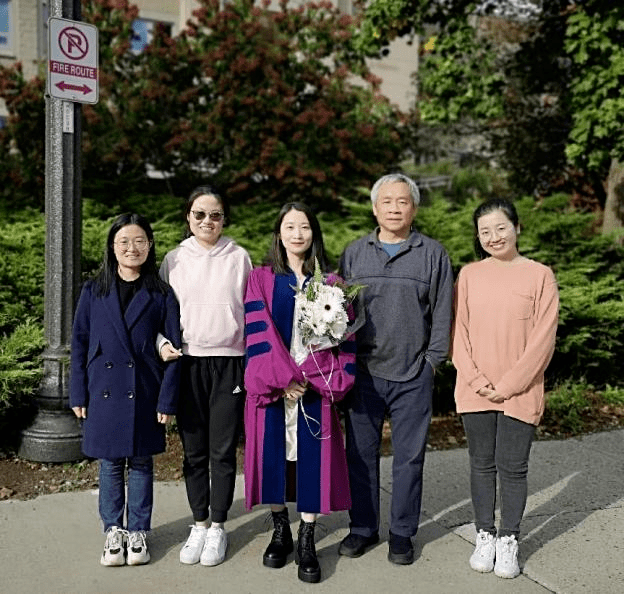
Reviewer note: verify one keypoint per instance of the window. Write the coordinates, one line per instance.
(6, 43)
(143, 32)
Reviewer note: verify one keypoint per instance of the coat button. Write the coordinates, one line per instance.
(108, 364)
(130, 363)
(130, 394)
(106, 394)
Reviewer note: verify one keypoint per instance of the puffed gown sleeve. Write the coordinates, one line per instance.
(270, 367)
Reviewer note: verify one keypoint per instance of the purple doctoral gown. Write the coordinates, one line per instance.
(322, 478)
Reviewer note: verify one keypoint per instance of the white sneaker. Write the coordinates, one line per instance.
(485, 550)
(190, 552)
(506, 557)
(114, 552)
(137, 549)
(215, 547)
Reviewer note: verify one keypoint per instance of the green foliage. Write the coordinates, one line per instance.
(20, 374)
(594, 42)
(570, 406)
(383, 20)
(21, 269)
(589, 268)
(462, 78)
(475, 182)
(549, 98)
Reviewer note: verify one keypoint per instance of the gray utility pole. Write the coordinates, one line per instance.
(55, 434)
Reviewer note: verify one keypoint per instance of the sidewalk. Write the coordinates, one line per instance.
(572, 538)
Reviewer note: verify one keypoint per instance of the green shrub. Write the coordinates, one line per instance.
(471, 183)
(572, 407)
(22, 269)
(589, 268)
(20, 374)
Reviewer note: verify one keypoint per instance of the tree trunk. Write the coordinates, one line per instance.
(614, 206)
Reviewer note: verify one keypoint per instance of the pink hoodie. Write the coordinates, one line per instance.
(210, 286)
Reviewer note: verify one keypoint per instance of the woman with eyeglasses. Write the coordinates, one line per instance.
(506, 313)
(208, 273)
(119, 386)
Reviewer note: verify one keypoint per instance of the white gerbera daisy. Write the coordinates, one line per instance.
(329, 302)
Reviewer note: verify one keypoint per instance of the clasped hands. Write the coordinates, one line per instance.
(491, 394)
(294, 391)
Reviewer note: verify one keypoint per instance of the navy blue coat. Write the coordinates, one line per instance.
(118, 375)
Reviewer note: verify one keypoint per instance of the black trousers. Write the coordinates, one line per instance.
(210, 414)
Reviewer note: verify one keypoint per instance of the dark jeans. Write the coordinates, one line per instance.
(112, 494)
(209, 417)
(409, 406)
(498, 445)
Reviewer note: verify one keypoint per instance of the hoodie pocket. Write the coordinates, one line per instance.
(210, 325)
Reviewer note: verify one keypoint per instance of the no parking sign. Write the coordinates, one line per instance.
(73, 60)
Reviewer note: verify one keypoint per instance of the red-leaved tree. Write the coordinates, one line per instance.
(270, 104)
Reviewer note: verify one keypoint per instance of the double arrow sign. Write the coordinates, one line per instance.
(67, 87)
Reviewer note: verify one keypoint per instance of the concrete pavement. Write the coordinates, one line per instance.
(572, 542)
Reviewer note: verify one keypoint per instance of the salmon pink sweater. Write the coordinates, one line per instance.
(504, 335)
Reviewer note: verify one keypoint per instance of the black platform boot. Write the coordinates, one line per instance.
(281, 544)
(309, 568)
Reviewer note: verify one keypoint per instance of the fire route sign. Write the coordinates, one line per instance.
(73, 61)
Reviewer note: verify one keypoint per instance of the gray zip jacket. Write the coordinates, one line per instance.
(406, 306)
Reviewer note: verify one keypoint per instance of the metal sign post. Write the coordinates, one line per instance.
(55, 434)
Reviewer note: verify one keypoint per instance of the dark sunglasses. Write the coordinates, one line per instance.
(213, 215)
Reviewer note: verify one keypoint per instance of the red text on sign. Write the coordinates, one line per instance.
(73, 70)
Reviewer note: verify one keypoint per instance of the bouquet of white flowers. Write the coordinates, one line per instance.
(322, 306)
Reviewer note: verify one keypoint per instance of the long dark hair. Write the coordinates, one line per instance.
(105, 277)
(206, 190)
(277, 254)
(486, 208)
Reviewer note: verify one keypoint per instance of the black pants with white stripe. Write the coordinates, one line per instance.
(210, 413)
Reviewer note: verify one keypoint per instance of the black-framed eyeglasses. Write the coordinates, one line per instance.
(213, 215)
(140, 244)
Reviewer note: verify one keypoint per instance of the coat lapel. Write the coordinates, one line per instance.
(136, 307)
(113, 311)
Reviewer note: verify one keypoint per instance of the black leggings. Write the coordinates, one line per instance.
(498, 445)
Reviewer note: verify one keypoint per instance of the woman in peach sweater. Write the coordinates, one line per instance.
(506, 312)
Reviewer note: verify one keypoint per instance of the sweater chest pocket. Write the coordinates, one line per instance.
(522, 305)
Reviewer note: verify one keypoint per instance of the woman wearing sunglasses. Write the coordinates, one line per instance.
(208, 273)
